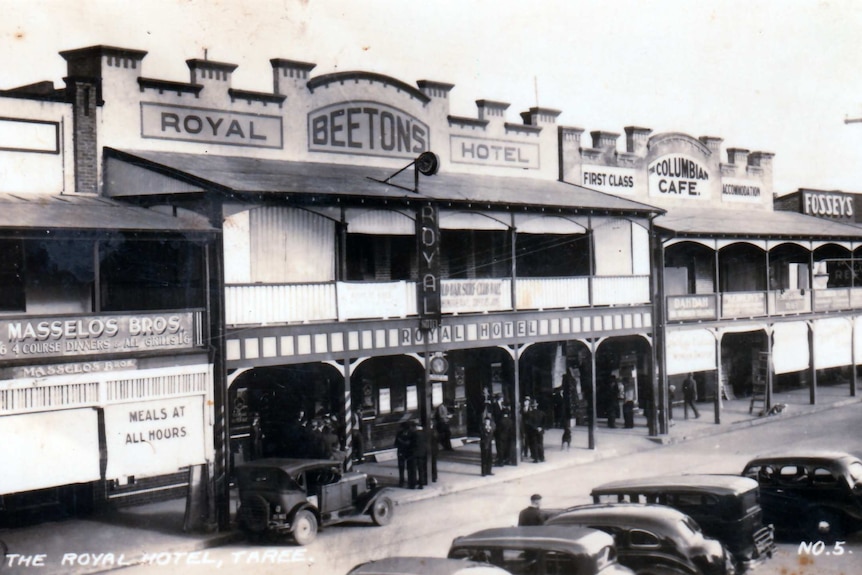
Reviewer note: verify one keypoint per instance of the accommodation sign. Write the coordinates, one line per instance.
(96, 335)
(204, 125)
(367, 128)
(488, 152)
(678, 176)
(744, 191)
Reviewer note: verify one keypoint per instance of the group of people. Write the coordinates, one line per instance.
(413, 445)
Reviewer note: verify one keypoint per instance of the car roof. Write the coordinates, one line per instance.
(425, 566)
(562, 538)
(701, 482)
(813, 456)
(658, 517)
(290, 466)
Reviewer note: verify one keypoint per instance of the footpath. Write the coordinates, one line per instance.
(154, 532)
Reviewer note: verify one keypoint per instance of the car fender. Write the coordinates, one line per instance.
(366, 501)
(299, 507)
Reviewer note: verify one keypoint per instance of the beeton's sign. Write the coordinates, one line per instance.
(366, 128)
(204, 125)
(678, 176)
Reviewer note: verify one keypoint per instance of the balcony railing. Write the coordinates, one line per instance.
(257, 304)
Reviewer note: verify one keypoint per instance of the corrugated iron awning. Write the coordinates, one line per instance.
(752, 224)
(89, 213)
(189, 173)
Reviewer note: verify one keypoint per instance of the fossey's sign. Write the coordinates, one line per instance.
(678, 176)
(368, 128)
(832, 205)
(204, 125)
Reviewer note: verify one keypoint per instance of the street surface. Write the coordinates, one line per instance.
(428, 527)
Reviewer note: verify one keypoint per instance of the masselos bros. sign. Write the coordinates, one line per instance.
(94, 335)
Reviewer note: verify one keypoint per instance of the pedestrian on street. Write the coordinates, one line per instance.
(689, 394)
(525, 443)
(486, 442)
(532, 515)
(613, 401)
(402, 447)
(505, 438)
(441, 418)
(671, 397)
(419, 445)
(434, 447)
(628, 403)
(538, 420)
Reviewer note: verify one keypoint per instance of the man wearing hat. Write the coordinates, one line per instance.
(532, 515)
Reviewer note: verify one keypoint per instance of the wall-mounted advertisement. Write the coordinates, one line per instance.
(679, 176)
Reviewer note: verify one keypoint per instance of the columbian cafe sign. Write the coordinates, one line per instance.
(27, 338)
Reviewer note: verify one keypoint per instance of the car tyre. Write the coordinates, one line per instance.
(825, 525)
(382, 510)
(304, 527)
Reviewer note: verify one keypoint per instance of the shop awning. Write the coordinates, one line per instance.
(693, 222)
(40, 212)
(146, 173)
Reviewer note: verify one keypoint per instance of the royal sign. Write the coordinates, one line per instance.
(366, 128)
(208, 126)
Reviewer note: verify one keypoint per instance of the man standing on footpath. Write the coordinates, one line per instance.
(689, 395)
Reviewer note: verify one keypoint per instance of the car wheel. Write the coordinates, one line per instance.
(382, 510)
(304, 527)
(825, 525)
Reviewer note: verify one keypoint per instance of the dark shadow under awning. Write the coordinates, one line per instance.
(705, 223)
(145, 173)
(39, 212)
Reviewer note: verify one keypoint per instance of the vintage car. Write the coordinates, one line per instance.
(727, 508)
(817, 495)
(541, 550)
(425, 566)
(297, 496)
(652, 539)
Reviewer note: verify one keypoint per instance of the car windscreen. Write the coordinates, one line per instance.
(855, 469)
(264, 478)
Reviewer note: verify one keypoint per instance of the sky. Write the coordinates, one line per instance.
(779, 76)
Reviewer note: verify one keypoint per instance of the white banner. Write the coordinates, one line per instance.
(42, 450)
(690, 350)
(790, 347)
(154, 437)
(832, 339)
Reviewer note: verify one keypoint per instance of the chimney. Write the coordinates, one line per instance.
(490, 110)
(737, 156)
(636, 140)
(209, 72)
(714, 144)
(540, 116)
(293, 71)
(605, 141)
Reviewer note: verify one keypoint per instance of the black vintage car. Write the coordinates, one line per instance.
(816, 495)
(425, 566)
(727, 508)
(542, 550)
(652, 539)
(296, 496)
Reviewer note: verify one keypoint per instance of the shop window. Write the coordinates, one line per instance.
(151, 275)
(381, 258)
(11, 276)
(59, 276)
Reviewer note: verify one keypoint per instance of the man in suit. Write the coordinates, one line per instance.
(486, 441)
(532, 515)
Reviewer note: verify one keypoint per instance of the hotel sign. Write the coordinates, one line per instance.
(678, 176)
(428, 249)
(367, 128)
(204, 125)
(488, 152)
(98, 335)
